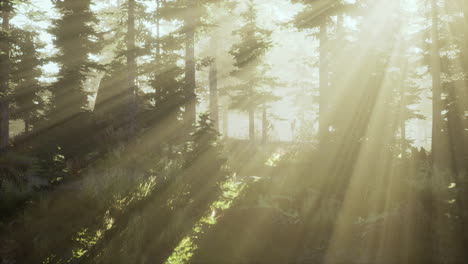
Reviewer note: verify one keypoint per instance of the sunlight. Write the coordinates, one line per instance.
(234, 131)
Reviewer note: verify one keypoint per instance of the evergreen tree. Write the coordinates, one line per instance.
(6, 8)
(317, 14)
(252, 89)
(69, 125)
(192, 14)
(76, 40)
(26, 96)
(131, 68)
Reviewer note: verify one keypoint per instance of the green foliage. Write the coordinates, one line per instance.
(25, 72)
(205, 140)
(76, 40)
(253, 87)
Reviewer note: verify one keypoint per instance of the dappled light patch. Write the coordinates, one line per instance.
(187, 247)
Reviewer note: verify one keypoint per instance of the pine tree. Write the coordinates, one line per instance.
(6, 10)
(131, 68)
(69, 124)
(25, 77)
(317, 14)
(213, 85)
(76, 39)
(437, 123)
(250, 71)
(191, 14)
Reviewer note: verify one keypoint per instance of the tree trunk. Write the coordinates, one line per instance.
(464, 96)
(158, 30)
(157, 90)
(404, 69)
(264, 126)
(4, 77)
(213, 76)
(190, 82)
(437, 153)
(131, 68)
(226, 122)
(323, 112)
(26, 125)
(252, 124)
(437, 138)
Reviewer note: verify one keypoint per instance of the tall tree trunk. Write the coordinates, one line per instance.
(251, 124)
(4, 77)
(131, 68)
(323, 112)
(226, 122)
(465, 38)
(213, 76)
(464, 96)
(437, 139)
(190, 82)
(265, 125)
(158, 30)
(26, 125)
(404, 69)
(464, 186)
(158, 50)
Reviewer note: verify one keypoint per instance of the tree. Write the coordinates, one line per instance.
(76, 40)
(317, 13)
(191, 14)
(25, 77)
(250, 71)
(69, 121)
(437, 123)
(213, 83)
(131, 68)
(6, 9)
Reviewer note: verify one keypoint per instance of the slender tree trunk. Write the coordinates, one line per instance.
(158, 30)
(252, 124)
(131, 68)
(226, 122)
(437, 108)
(465, 38)
(158, 50)
(404, 69)
(190, 81)
(213, 76)
(323, 112)
(265, 125)
(26, 125)
(4, 77)
(464, 96)
(437, 138)
(464, 186)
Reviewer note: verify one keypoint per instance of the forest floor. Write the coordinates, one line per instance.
(267, 212)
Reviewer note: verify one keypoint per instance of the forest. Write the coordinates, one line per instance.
(234, 131)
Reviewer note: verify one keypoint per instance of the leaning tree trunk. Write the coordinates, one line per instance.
(4, 76)
(131, 68)
(190, 82)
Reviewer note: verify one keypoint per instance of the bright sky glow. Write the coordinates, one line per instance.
(291, 49)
